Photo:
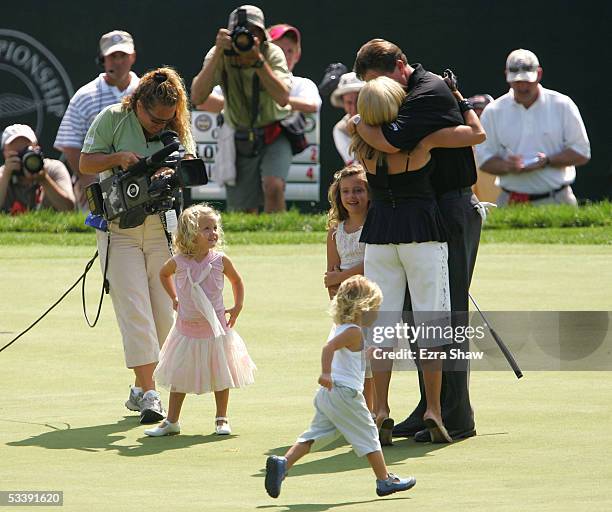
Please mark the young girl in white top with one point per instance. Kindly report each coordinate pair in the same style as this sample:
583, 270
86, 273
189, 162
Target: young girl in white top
348, 199
340, 405
203, 352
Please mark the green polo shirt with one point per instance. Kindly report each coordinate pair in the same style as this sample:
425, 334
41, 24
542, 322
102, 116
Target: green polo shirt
115, 129
239, 87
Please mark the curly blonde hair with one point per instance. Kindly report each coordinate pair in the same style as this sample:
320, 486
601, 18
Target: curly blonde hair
189, 225
355, 296
378, 103
337, 212
163, 86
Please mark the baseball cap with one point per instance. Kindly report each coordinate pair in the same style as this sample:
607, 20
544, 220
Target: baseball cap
348, 83
254, 16
522, 65
14, 131
116, 41
278, 31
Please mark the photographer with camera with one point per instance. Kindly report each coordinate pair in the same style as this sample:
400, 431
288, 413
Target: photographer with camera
255, 81
28, 181
119, 136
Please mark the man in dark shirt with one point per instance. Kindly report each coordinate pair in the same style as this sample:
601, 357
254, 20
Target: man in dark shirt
430, 106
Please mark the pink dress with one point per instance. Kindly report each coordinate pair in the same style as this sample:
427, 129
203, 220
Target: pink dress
202, 354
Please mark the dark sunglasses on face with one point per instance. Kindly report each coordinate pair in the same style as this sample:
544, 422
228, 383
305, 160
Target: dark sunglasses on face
158, 120
522, 67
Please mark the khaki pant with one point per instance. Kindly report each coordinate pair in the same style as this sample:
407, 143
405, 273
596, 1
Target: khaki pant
142, 307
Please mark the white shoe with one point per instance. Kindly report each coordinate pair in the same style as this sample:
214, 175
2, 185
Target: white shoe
164, 429
223, 429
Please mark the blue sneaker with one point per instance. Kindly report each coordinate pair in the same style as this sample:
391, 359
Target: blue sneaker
394, 484
276, 470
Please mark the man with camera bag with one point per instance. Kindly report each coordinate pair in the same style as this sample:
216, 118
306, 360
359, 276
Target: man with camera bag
119, 136
28, 181
255, 81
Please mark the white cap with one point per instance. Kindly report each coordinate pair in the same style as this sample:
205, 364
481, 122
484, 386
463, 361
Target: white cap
116, 41
15, 131
522, 66
348, 83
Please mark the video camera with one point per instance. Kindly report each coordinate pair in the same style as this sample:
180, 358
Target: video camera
242, 39
31, 160
132, 194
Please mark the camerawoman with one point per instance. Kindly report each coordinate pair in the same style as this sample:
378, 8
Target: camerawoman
120, 136
255, 80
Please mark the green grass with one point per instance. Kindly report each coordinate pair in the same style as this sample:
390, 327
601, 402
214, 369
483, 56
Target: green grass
541, 445
515, 217
600, 235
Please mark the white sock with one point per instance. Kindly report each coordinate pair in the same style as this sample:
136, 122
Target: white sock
136, 389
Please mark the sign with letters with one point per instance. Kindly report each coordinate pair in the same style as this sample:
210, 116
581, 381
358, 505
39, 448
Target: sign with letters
304, 174
36, 89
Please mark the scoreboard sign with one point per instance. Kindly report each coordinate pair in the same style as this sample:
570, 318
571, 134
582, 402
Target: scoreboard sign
304, 174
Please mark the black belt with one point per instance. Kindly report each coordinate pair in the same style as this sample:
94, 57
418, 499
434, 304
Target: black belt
535, 197
458, 192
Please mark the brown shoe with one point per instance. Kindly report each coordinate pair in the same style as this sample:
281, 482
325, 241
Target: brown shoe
437, 431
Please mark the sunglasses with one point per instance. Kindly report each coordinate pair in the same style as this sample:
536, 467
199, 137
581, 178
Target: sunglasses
522, 67
158, 120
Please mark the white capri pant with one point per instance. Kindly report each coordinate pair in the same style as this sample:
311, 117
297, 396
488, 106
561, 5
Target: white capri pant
424, 268
142, 307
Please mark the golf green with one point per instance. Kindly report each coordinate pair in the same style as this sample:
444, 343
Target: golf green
63, 426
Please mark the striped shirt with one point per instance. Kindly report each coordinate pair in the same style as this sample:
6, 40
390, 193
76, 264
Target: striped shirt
84, 106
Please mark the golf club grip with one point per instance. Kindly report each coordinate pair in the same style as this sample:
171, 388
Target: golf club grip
507, 354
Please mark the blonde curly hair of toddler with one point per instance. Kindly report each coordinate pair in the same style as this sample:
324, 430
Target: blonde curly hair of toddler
189, 225
355, 296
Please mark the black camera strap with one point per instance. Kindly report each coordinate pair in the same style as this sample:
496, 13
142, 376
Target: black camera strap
255, 90
82, 278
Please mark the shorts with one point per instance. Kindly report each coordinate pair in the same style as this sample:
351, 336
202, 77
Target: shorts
342, 411
274, 160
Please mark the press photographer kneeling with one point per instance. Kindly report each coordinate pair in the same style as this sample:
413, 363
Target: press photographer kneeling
120, 136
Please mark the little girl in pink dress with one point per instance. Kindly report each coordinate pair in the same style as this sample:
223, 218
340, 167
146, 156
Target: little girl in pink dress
203, 352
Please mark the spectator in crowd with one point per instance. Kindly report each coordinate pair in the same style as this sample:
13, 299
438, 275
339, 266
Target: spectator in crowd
40, 183
255, 83
536, 137
304, 94
345, 96
117, 56
485, 187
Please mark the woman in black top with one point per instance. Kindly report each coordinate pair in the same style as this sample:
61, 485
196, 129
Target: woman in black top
405, 242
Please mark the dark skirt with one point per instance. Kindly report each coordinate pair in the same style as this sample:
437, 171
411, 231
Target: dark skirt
408, 220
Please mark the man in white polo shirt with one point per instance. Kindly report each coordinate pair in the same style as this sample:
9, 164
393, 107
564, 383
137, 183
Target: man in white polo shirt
535, 138
117, 56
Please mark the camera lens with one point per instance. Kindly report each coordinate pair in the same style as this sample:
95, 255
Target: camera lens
32, 161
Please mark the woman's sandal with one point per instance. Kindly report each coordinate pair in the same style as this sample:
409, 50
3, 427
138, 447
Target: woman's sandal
437, 431
385, 432
223, 429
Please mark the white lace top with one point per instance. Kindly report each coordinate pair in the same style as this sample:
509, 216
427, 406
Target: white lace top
351, 251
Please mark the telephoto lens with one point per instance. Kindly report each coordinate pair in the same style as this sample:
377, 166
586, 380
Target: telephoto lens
243, 40
31, 160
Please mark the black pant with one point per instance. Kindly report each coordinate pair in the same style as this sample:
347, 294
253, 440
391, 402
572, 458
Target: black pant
463, 224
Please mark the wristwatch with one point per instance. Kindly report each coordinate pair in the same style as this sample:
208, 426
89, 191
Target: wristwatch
465, 105
259, 63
